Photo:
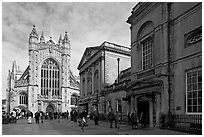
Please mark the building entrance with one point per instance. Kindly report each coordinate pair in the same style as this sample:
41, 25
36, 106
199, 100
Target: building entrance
50, 109
143, 112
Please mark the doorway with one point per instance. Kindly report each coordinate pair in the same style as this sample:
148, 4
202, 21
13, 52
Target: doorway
143, 112
50, 109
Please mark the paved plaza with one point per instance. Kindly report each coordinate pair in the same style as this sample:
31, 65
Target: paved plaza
66, 127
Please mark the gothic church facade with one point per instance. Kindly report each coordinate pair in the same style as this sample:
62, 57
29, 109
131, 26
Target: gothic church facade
47, 84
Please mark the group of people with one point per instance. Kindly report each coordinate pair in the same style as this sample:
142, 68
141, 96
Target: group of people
113, 117
138, 120
10, 118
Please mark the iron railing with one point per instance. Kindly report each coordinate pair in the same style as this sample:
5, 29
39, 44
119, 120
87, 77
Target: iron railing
187, 123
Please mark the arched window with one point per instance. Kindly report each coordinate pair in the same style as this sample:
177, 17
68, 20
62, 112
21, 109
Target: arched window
50, 77
23, 98
145, 37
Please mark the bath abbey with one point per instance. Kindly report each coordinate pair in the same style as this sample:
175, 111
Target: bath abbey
47, 84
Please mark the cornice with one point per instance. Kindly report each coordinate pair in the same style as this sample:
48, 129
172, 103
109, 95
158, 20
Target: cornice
142, 11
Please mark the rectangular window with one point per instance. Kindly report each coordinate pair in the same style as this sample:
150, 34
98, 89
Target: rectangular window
194, 91
147, 54
119, 106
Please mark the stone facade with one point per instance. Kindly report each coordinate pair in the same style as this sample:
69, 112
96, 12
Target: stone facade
165, 46
48, 83
99, 68
115, 95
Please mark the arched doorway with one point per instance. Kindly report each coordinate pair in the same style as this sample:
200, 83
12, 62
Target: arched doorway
50, 109
143, 110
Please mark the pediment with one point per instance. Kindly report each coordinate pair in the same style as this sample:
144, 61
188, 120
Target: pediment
88, 53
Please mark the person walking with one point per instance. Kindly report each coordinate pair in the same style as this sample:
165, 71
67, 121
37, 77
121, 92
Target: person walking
67, 114
37, 117
41, 116
75, 115
117, 117
14, 115
111, 117
134, 119
84, 115
29, 117
96, 116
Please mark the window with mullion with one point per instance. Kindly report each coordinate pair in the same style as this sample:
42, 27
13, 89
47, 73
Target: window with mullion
194, 91
50, 76
147, 54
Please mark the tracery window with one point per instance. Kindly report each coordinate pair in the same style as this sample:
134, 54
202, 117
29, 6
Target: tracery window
50, 77
23, 99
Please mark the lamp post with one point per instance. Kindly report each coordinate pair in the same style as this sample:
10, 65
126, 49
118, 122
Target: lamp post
118, 59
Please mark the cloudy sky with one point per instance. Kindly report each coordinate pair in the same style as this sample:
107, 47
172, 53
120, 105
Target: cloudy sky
87, 24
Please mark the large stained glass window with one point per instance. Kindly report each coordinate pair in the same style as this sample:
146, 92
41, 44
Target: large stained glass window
50, 78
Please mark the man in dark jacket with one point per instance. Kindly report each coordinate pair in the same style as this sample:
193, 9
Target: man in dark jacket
96, 116
111, 117
134, 119
37, 117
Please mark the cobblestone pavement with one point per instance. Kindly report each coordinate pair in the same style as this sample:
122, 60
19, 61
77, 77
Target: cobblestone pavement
66, 127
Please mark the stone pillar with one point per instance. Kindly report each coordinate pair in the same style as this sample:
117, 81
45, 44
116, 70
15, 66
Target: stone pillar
132, 104
158, 109
151, 113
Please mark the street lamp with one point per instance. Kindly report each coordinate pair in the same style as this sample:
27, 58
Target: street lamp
118, 59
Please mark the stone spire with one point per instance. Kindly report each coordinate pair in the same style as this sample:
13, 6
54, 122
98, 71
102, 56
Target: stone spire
42, 39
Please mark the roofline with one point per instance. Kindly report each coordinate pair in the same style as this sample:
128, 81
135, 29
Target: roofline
105, 47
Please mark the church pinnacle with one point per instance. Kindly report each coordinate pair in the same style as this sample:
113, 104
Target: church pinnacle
60, 40
42, 39
66, 39
34, 32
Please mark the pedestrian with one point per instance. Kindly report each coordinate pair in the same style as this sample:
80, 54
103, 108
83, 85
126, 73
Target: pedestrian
117, 117
142, 119
29, 117
14, 115
129, 117
67, 114
111, 117
41, 117
134, 119
75, 115
84, 115
81, 120
37, 117
95, 116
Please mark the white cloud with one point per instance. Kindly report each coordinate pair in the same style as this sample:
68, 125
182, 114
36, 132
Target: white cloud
88, 24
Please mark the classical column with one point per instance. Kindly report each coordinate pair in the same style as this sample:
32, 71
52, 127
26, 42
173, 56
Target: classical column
158, 109
151, 113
